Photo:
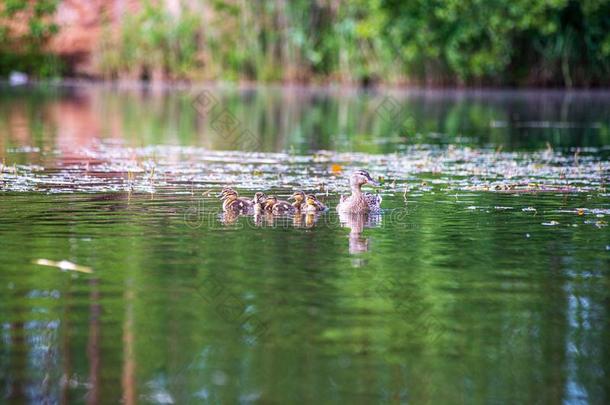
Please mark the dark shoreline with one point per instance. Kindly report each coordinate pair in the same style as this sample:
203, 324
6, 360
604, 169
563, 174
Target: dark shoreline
303, 87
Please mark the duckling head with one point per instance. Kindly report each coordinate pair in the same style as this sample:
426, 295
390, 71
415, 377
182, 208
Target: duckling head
270, 202
297, 196
312, 200
260, 198
229, 195
362, 177
225, 191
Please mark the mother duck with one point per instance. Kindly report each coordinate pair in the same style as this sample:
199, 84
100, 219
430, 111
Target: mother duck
359, 202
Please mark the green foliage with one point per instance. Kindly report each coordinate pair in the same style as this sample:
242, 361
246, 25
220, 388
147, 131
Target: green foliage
499, 42
437, 42
152, 42
24, 52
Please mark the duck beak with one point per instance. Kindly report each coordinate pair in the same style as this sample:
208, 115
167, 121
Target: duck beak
372, 182
292, 197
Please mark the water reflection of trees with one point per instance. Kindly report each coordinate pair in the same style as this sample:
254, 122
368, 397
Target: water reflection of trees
304, 119
164, 336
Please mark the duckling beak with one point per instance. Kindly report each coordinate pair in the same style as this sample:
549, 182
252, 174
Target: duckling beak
292, 197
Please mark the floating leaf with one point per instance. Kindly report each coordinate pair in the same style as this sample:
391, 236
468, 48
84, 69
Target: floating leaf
64, 265
551, 223
336, 168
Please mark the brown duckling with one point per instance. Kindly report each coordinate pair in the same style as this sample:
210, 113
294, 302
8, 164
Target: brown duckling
259, 201
299, 200
233, 203
313, 204
278, 207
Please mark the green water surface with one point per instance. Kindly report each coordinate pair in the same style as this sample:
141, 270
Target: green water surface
450, 296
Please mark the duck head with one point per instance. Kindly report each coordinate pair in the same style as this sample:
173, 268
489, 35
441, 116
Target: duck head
362, 177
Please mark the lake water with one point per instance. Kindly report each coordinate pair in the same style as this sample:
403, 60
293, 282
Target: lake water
486, 279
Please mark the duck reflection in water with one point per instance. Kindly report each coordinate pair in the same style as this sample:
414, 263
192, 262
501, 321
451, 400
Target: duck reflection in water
229, 217
357, 222
308, 220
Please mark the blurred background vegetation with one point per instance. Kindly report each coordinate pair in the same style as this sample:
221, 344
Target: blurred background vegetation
429, 42
24, 50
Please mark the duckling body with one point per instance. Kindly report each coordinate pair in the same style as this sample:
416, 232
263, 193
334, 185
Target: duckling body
238, 205
359, 202
299, 200
278, 207
259, 202
231, 202
283, 207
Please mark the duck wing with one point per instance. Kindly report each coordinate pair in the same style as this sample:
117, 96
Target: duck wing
373, 200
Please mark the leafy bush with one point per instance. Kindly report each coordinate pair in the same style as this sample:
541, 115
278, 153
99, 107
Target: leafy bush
24, 52
436, 42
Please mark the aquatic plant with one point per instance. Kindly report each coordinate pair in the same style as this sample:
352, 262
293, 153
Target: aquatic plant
168, 169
